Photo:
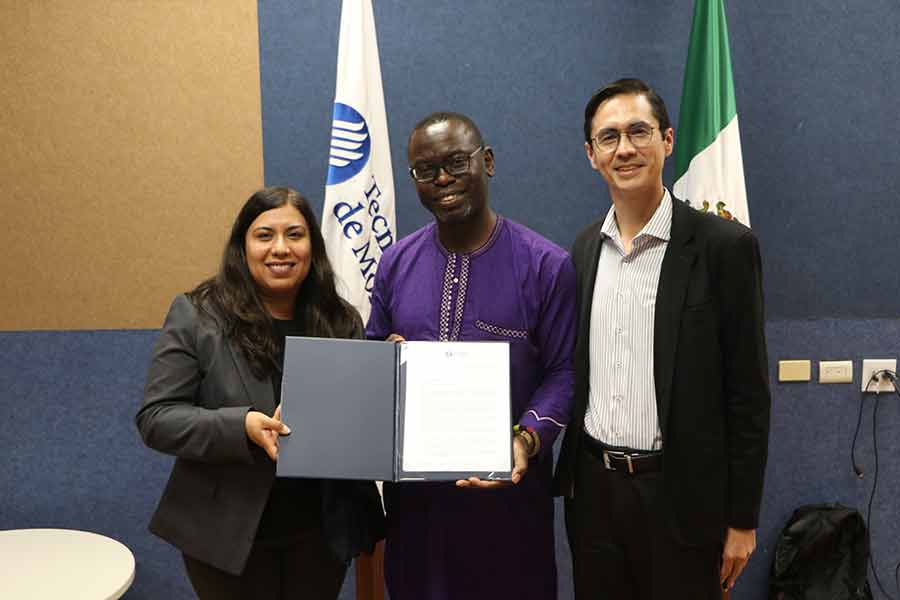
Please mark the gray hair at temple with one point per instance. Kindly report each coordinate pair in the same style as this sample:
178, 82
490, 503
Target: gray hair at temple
444, 116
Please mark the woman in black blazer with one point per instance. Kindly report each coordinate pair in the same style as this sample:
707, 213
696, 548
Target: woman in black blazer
211, 401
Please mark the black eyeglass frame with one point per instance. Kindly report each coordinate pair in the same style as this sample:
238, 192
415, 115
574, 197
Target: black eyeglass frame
444, 165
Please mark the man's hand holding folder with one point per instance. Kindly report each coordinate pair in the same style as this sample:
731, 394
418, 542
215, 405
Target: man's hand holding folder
520, 467
520, 455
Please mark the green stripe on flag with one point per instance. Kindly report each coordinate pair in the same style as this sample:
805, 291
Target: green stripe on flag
707, 98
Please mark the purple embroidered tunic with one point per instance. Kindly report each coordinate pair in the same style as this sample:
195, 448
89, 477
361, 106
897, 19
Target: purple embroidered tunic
448, 543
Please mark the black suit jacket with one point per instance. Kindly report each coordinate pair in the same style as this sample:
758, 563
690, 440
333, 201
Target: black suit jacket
199, 389
709, 368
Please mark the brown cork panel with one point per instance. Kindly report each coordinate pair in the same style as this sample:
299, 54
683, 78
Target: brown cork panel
130, 135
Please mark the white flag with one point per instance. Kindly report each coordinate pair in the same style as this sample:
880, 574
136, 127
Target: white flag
358, 217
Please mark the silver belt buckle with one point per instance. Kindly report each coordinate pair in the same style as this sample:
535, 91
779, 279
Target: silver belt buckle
625, 455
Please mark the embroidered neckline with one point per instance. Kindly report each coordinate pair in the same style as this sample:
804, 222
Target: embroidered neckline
495, 233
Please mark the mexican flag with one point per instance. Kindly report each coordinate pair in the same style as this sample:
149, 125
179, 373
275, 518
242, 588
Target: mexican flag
709, 170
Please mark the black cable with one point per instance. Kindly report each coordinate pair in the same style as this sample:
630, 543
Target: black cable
897, 575
856, 468
893, 377
876, 376
872, 494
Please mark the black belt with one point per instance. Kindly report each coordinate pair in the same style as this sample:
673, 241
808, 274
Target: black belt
626, 460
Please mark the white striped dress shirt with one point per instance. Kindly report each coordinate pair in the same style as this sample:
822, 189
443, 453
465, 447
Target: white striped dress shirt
622, 396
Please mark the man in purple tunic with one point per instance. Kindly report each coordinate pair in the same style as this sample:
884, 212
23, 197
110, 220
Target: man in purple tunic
473, 275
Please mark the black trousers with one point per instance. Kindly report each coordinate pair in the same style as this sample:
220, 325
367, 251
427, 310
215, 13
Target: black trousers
300, 568
622, 548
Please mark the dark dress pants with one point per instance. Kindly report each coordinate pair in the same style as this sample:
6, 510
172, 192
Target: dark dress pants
621, 546
300, 568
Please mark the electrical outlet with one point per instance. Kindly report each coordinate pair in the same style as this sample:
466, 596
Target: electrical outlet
835, 371
871, 366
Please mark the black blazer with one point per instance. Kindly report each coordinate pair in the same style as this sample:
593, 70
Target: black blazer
710, 371
199, 389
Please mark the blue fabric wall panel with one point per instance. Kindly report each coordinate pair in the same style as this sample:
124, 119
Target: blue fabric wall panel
815, 82
816, 85
811, 434
522, 70
74, 458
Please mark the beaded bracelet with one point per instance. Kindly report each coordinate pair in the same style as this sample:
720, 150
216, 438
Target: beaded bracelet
531, 438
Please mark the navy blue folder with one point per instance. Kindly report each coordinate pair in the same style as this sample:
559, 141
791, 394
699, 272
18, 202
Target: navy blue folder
344, 400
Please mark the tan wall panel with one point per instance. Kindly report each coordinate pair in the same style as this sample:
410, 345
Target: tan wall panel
130, 134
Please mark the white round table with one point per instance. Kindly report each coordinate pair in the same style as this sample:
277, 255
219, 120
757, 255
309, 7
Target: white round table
48, 564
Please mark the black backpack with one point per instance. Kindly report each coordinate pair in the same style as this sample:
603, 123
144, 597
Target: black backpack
822, 554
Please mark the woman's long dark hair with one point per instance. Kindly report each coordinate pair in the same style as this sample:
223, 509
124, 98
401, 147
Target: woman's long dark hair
232, 300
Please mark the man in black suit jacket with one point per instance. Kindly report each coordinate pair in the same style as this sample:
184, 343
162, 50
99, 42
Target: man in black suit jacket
662, 464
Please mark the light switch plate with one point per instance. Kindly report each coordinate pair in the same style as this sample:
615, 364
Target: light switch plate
835, 371
794, 370
873, 366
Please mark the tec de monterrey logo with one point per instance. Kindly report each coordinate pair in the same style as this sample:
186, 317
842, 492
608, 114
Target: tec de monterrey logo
350, 144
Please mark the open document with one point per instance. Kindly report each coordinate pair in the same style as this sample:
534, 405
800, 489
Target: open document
456, 414
386, 411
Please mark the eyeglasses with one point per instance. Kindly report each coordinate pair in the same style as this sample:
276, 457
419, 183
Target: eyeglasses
639, 135
458, 164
